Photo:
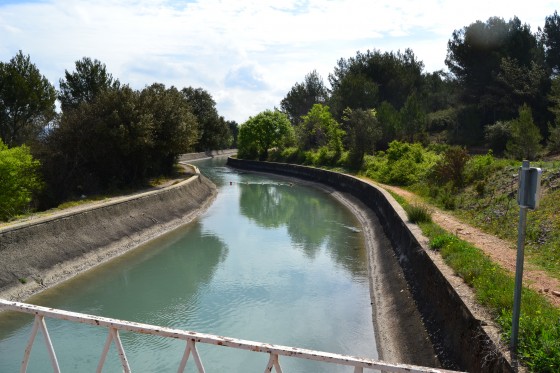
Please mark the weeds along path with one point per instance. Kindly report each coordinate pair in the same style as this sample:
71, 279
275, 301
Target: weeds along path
500, 251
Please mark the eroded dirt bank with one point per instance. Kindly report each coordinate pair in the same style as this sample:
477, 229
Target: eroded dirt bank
42, 252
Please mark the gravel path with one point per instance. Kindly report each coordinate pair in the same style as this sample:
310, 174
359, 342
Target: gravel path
500, 251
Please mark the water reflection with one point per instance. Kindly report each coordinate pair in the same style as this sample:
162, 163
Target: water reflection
311, 221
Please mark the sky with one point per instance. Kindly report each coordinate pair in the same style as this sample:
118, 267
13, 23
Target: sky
247, 54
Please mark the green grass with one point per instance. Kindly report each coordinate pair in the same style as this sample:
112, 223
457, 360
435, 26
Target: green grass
539, 329
418, 213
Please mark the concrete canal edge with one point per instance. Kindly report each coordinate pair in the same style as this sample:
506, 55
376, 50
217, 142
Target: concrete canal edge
209, 154
42, 252
462, 332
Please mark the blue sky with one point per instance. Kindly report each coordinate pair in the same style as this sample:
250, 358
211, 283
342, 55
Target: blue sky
246, 53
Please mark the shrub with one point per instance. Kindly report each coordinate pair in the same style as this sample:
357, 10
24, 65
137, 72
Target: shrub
479, 167
19, 180
449, 168
525, 136
405, 163
418, 213
497, 135
444, 195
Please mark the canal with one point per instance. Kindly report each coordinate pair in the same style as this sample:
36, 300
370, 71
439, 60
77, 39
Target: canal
271, 260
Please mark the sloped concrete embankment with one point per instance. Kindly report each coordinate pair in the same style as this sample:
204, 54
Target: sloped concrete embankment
44, 251
458, 331
209, 154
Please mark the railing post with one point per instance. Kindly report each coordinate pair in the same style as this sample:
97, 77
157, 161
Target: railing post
39, 323
273, 363
113, 335
191, 348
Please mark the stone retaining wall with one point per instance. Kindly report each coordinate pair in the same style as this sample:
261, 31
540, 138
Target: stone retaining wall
461, 339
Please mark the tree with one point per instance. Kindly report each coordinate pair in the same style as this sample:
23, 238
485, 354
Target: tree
318, 128
90, 79
487, 57
553, 143
262, 132
439, 90
395, 76
363, 131
118, 140
19, 180
413, 118
174, 126
525, 136
551, 41
99, 145
27, 101
234, 130
390, 120
517, 84
213, 130
355, 91
303, 96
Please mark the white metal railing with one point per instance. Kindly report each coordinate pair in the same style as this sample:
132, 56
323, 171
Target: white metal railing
191, 338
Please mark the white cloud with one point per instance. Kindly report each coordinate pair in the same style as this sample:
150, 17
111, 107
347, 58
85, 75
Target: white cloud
247, 54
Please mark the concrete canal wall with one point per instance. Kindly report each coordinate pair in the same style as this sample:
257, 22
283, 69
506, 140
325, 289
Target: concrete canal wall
208, 154
43, 251
461, 332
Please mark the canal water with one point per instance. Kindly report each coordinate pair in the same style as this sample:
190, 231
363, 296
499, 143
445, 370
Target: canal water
271, 260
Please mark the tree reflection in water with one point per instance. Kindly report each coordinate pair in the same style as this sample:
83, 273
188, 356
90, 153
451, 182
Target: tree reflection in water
313, 220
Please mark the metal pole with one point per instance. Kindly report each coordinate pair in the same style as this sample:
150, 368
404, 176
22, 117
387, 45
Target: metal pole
519, 263
518, 277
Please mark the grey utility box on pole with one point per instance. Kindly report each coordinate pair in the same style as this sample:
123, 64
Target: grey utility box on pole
529, 186
528, 197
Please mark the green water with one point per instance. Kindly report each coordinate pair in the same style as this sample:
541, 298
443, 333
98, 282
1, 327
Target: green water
270, 261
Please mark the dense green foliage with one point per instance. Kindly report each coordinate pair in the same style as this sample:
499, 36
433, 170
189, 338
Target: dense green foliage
303, 96
107, 137
524, 142
119, 139
262, 132
503, 79
83, 85
214, 132
318, 129
19, 180
363, 130
27, 101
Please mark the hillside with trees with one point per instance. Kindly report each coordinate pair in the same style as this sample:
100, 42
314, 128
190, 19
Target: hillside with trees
496, 70
455, 139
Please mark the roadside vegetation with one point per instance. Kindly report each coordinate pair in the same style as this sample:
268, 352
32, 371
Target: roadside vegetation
107, 138
454, 138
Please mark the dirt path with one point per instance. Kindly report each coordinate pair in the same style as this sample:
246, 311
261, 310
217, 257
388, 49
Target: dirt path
500, 251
